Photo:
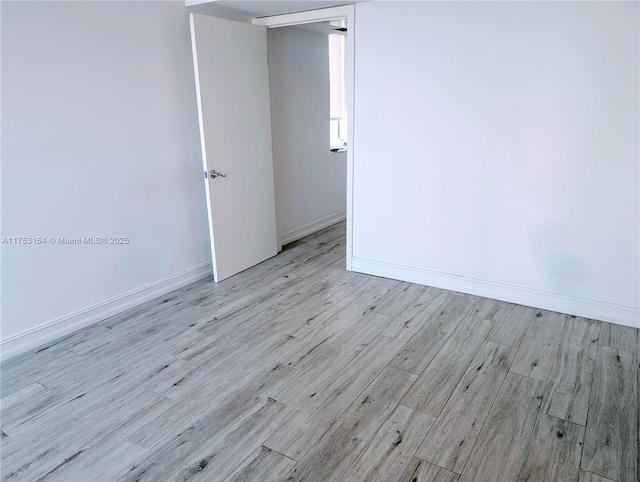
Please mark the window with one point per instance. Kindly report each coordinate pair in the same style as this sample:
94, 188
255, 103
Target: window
337, 112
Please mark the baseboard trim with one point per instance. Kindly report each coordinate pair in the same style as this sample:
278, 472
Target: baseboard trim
303, 230
64, 325
598, 310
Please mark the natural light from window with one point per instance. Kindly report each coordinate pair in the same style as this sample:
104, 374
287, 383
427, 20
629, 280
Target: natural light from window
337, 115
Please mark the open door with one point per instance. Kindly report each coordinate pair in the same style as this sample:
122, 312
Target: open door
232, 86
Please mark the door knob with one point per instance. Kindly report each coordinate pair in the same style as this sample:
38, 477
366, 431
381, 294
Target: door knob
213, 174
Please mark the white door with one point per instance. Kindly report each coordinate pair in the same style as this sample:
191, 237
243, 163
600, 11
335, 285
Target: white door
232, 85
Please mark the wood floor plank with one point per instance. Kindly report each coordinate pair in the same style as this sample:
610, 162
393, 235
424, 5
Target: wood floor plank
113, 403
391, 449
122, 350
225, 404
61, 438
323, 250
331, 399
30, 367
434, 386
299, 324
454, 433
104, 413
327, 303
338, 329
618, 336
276, 347
510, 321
106, 458
216, 369
569, 385
611, 443
400, 299
175, 316
226, 307
502, 445
589, 477
269, 288
90, 385
316, 316
201, 452
253, 354
263, 465
174, 302
251, 329
30, 391
77, 338
407, 323
347, 345
25, 404
252, 322
539, 346
420, 471
384, 287
319, 364
4, 441
424, 345
554, 451
330, 458
98, 373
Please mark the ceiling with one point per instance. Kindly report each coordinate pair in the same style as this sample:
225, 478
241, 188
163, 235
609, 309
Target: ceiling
265, 8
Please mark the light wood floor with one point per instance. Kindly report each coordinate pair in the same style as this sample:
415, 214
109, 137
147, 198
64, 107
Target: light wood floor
299, 370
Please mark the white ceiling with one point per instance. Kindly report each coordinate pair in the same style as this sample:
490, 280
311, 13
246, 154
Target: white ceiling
265, 8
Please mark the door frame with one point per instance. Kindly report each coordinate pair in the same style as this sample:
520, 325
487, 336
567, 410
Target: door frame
323, 15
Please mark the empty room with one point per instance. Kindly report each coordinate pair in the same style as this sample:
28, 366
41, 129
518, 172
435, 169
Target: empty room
312, 240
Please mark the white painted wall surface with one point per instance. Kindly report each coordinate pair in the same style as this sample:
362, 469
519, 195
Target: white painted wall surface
310, 180
497, 150
100, 138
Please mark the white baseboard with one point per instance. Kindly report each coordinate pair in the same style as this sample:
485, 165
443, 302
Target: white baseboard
598, 310
298, 232
64, 325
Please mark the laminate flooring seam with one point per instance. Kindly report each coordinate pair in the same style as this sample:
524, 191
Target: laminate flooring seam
444, 340
528, 447
586, 423
272, 397
373, 438
471, 360
349, 405
280, 453
581, 446
589, 401
435, 465
133, 443
485, 419
485, 339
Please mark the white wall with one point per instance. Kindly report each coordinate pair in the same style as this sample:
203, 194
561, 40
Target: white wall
497, 150
310, 180
100, 138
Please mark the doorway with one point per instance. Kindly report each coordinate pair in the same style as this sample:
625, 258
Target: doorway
346, 16
309, 127
230, 60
